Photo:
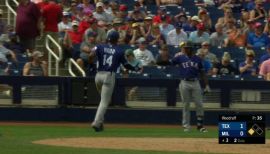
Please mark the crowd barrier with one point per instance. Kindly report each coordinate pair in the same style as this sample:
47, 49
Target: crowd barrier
81, 90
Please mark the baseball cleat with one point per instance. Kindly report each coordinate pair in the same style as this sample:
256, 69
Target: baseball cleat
187, 129
203, 130
98, 128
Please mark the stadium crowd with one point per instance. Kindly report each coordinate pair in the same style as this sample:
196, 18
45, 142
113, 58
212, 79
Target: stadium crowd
78, 25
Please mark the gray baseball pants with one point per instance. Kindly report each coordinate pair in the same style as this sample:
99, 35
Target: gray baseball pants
105, 84
190, 90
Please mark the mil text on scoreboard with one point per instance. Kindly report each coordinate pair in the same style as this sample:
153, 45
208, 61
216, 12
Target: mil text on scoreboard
241, 129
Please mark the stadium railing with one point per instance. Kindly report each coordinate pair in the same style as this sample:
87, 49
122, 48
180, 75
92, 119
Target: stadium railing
52, 54
11, 10
71, 63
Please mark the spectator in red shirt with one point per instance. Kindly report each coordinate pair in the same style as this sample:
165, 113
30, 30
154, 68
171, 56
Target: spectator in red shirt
72, 41
27, 23
85, 23
52, 14
160, 12
42, 4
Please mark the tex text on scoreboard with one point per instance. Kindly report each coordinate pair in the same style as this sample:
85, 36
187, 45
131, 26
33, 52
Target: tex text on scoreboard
241, 129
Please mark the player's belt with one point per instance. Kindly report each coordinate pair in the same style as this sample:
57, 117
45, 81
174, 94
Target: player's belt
190, 79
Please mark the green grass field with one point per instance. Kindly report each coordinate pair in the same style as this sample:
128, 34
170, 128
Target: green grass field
17, 139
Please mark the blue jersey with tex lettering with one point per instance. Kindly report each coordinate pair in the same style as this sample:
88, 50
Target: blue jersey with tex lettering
189, 67
109, 57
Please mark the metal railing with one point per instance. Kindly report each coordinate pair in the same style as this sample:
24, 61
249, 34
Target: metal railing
11, 10
72, 62
52, 53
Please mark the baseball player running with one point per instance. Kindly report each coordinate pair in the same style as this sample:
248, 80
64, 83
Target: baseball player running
109, 57
191, 68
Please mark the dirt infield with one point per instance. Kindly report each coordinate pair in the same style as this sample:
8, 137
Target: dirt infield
156, 144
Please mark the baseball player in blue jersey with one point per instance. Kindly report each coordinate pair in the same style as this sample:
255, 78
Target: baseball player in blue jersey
191, 68
109, 57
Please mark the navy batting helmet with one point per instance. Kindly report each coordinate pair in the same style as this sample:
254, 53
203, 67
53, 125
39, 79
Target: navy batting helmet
113, 36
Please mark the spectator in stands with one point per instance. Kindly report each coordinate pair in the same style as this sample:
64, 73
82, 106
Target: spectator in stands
51, 16
100, 14
228, 16
132, 60
36, 67
73, 8
115, 9
199, 36
177, 35
248, 67
234, 5
138, 14
165, 27
205, 18
85, 49
217, 38
265, 70
118, 25
79, 13
169, 2
257, 39
230, 25
13, 44
136, 33
250, 5
265, 56
72, 41
181, 17
101, 33
122, 11
267, 27
163, 58
224, 67
136, 64
192, 25
235, 38
5, 53
258, 12
205, 49
144, 55
3, 25
155, 37
147, 26
246, 25
207, 65
161, 12
85, 23
107, 7
87, 6
65, 4
64, 25
27, 23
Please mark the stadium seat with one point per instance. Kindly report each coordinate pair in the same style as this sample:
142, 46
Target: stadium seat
154, 71
154, 49
173, 72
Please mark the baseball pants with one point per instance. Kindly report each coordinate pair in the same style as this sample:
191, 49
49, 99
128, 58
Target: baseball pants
105, 84
190, 90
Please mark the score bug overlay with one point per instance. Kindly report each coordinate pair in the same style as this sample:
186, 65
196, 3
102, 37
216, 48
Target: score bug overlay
241, 129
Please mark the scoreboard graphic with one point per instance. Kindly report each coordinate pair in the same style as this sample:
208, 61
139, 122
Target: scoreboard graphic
241, 129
